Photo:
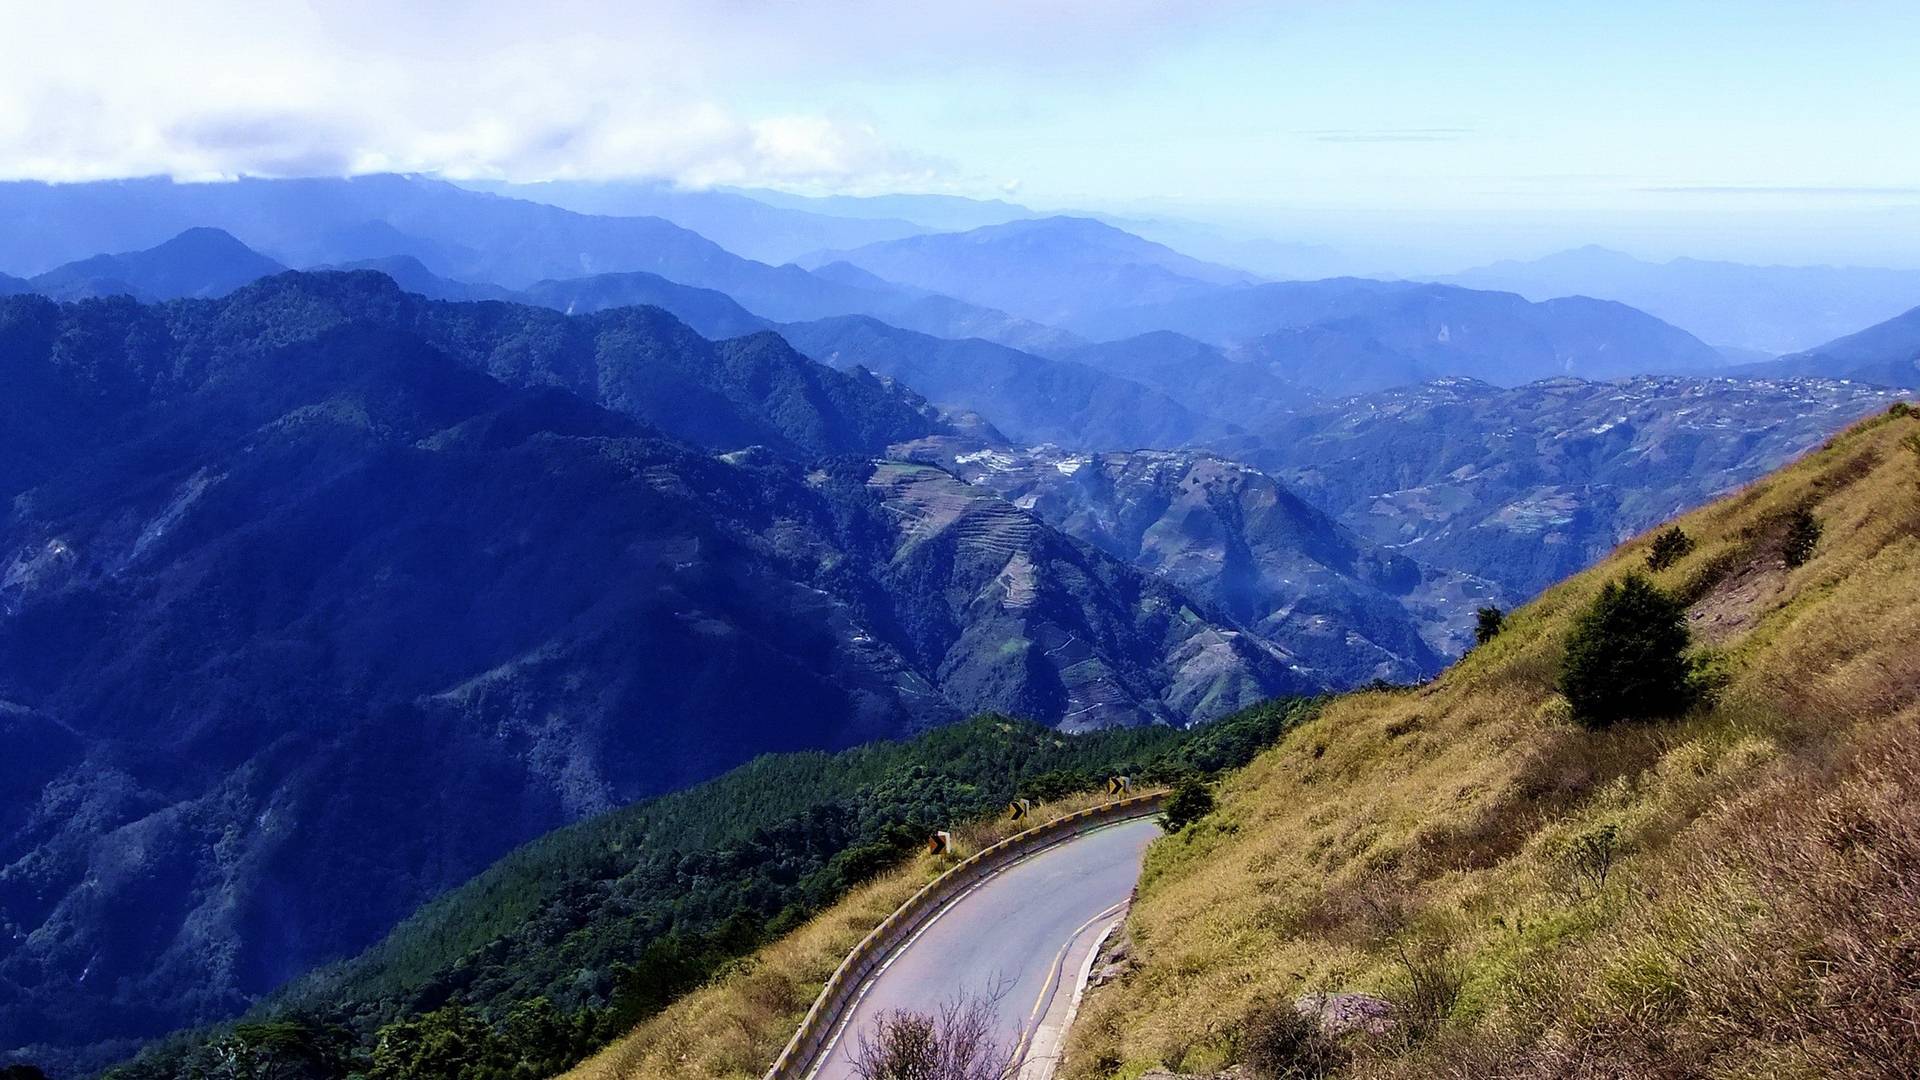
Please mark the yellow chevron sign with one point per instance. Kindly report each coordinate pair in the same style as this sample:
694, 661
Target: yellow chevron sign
940, 843
1018, 809
1119, 785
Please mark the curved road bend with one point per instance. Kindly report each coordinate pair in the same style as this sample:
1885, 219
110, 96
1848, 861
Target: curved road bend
1029, 929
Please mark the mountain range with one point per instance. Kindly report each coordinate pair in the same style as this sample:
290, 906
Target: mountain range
1525, 485
1440, 330
1241, 540
465, 235
1051, 270
316, 598
1768, 309
1252, 350
1886, 353
741, 223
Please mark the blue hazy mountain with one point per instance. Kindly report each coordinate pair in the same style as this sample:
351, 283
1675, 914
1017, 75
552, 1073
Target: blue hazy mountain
1235, 385
198, 263
1442, 330
1772, 309
743, 225
1886, 353
1048, 269
321, 596
456, 233
943, 213
711, 313
1030, 398
1525, 485
413, 276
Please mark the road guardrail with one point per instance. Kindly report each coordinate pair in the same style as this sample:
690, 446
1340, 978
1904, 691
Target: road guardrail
845, 982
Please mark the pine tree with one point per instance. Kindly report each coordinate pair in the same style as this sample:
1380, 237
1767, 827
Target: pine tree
1668, 548
1488, 623
1626, 657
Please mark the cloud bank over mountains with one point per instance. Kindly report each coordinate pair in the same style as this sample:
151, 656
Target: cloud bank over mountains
574, 89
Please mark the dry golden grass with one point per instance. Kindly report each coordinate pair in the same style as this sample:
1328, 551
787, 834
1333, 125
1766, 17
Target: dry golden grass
1760, 918
735, 1026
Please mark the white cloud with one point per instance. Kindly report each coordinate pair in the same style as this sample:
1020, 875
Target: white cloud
567, 88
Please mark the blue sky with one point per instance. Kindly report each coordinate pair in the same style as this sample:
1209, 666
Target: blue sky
1753, 130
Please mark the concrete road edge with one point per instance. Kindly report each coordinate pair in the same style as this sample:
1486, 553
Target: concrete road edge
797, 1058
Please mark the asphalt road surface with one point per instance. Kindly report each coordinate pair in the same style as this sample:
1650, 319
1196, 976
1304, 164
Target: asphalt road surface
1025, 933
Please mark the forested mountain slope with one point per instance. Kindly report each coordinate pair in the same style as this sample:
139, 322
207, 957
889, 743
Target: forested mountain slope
1520, 888
572, 939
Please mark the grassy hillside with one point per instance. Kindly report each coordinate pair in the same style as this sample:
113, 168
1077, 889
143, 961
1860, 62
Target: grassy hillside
1731, 893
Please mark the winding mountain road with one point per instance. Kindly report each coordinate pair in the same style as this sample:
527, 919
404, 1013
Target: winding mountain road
1028, 933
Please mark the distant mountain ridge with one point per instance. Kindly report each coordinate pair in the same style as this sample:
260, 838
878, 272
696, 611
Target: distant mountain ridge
1886, 353
1440, 330
1774, 309
1526, 485
413, 276
1238, 385
456, 233
1032, 399
1047, 269
753, 227
711, 313
200, 263
942, 213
